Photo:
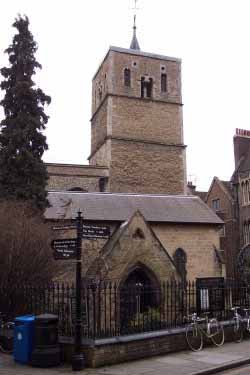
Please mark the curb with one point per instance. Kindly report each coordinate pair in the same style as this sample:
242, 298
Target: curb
226, 366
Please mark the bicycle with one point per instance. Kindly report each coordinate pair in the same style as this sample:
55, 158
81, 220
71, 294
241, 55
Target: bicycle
237, 325
247, 318
195, 331
6, 335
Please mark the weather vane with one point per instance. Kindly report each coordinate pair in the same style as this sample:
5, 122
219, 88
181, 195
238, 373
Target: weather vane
135, 9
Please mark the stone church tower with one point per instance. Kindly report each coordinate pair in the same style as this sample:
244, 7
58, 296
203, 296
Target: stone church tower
136, 125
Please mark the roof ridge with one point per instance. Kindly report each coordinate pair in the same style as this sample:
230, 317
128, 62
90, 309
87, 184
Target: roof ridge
124, 194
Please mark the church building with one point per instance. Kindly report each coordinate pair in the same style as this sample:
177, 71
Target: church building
135, 183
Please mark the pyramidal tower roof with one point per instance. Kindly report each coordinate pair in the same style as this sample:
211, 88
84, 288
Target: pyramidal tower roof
134, 43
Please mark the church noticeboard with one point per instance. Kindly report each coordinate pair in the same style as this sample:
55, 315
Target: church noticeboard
83, 308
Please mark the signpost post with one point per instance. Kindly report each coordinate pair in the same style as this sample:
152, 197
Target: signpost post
78, 360
71, 248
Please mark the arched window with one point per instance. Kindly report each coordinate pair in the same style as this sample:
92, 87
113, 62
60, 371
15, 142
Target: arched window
127, 77
100, 93
77, 188
180, 260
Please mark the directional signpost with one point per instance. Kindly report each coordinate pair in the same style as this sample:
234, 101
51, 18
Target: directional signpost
64, 227
94, 232
64, 248
71, 248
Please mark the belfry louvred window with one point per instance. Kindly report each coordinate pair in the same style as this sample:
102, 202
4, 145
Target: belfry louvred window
127, 77
146, 87
163, 82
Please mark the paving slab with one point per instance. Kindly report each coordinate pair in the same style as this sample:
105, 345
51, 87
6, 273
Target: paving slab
208, 361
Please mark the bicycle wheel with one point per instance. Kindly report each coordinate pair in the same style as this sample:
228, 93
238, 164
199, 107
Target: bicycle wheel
216, 332
248, 325
6, 345
194, 337
237, 330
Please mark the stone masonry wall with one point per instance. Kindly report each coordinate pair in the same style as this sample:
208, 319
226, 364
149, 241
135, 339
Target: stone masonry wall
146, 120
103, 155
66, 176
146, 168
99, 126
197, 241
59, 183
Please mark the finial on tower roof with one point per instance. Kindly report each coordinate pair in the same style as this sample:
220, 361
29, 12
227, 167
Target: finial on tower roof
134, 44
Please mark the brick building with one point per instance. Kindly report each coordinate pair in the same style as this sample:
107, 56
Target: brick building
241, 180
220, 198
136, 181
231, 201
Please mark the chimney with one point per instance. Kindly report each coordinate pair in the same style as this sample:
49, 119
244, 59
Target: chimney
191, 188
241, 144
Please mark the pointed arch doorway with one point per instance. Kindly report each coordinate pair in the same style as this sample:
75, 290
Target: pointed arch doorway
139, 292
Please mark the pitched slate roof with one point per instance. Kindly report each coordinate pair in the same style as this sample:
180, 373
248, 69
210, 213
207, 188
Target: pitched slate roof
120, 207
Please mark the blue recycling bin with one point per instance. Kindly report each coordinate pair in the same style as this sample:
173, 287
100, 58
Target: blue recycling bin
23, 338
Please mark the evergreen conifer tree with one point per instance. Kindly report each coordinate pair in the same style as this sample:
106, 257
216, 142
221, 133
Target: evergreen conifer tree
23, 174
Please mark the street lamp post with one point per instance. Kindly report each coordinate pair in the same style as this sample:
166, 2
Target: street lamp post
78, 360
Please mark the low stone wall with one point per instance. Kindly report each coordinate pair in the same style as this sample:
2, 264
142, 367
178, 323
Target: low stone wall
127, 348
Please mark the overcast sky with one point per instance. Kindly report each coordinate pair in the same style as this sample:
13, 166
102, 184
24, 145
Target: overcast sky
212, 37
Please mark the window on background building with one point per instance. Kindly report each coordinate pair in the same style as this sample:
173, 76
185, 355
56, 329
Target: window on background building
216, 204
243, 193
246, 192
222, 231
127, 77
246, 232
164, 83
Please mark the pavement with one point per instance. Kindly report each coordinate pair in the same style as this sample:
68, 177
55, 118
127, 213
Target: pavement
208, 361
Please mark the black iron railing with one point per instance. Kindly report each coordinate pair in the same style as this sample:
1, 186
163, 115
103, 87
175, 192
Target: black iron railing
108, 310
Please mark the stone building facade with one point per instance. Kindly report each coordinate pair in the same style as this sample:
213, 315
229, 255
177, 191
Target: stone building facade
146, 232
136, 180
